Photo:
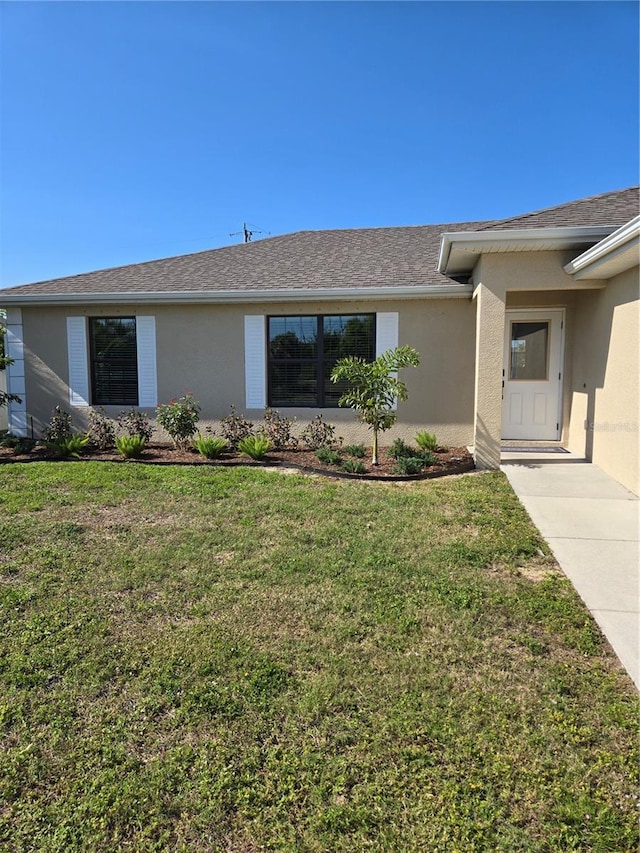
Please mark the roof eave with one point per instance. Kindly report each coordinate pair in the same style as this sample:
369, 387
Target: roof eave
460, 250
617, 253
439, 291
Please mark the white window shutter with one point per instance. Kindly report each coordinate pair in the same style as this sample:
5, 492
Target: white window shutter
78, 362
387, 334
386, 331
255, 361
147, 372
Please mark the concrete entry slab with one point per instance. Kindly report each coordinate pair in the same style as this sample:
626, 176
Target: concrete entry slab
584, 518
592, 525
561, 475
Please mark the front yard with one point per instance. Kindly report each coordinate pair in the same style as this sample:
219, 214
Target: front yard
200, 659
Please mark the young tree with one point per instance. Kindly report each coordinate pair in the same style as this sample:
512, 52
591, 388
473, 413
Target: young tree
5, 361
374, 386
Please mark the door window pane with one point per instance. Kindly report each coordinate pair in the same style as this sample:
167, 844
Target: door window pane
529, 351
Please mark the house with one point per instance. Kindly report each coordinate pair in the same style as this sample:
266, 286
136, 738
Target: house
527, 328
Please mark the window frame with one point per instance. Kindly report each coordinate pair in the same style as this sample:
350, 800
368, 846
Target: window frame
319, 360
94, 360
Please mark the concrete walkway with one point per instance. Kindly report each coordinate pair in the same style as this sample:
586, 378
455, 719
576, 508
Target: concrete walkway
591, 523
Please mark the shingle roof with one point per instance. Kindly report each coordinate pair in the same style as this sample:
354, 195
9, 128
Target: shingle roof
358, 258
612, 208
306, 260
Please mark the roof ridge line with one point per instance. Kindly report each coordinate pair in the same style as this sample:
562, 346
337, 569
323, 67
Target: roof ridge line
531, 213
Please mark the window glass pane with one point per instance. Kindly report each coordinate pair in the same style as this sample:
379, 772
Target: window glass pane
529, 351
114, 338
114, 365
332, 392
293, 337
348, 335
293, 384
297, 358
115, 383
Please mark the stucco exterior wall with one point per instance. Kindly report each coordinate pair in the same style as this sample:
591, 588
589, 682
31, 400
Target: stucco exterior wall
605, 399
528, 271
525, 280
200, 348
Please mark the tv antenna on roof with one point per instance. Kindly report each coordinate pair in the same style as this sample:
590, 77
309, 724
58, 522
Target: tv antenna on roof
246, 233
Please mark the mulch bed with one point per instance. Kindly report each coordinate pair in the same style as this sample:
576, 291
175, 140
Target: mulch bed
452, 460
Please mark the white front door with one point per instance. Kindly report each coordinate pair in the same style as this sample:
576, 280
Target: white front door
532, 375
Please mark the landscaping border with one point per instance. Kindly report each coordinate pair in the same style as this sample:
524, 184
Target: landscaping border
463, 468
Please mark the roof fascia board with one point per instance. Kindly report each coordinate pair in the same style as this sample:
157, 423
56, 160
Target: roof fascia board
446, 291
475, 242
612, 247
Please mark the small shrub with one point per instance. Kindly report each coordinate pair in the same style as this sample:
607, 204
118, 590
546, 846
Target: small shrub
328, 456
317, 434
72, 445
18, 443
401, 450
278, 430
354, 466
102, 430
255, 446
135, 423
235, 428
427, 457
179, 418
426, 440
59, 427
131, 446
209, 446
355, 450
408, 465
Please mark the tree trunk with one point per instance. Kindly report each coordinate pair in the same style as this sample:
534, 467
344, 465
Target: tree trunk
374, 454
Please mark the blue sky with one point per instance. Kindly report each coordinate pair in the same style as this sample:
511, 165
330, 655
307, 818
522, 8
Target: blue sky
135, 130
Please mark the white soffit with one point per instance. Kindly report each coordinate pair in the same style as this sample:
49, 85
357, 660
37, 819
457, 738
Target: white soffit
460, 250
617, 253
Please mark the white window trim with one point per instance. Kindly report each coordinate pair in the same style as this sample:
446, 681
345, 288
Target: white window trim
78, 361
15, 373
255, 361
255, 352
78, 355
147, 367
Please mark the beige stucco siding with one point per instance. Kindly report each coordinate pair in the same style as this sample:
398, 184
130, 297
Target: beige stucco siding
200, 348
529, 271
531, 280
605, 399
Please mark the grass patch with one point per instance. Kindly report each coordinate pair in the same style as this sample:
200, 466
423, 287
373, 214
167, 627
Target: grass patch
236, 660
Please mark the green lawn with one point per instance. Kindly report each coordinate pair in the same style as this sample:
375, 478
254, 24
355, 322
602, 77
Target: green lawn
197, 659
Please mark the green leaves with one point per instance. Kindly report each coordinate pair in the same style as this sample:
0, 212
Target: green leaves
255, 446
210, 446
72, 445
130, 446
179, 418
375, 387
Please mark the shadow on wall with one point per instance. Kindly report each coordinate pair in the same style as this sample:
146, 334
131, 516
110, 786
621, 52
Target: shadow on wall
486, 447
604, 371
45, 385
